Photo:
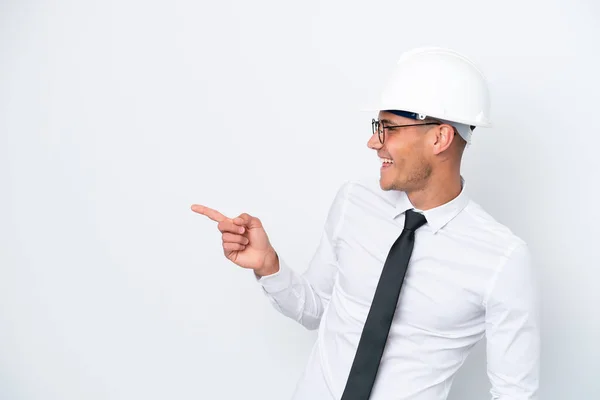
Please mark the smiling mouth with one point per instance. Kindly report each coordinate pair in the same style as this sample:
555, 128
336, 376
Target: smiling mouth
386, 162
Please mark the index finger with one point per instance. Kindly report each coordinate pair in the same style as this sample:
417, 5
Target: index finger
209, 212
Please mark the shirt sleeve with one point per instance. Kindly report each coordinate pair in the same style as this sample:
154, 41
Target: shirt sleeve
304, 297
513, 329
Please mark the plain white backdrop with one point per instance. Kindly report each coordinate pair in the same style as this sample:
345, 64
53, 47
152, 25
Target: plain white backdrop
116, 116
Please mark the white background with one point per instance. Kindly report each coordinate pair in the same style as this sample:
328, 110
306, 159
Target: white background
116, 116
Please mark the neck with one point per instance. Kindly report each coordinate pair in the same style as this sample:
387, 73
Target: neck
436, 192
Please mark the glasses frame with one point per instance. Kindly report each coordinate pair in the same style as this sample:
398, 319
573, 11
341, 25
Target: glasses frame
375, 124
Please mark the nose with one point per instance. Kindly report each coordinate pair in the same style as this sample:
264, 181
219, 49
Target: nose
374, 142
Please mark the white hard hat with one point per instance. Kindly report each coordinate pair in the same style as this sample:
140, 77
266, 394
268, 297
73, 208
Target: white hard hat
438, 83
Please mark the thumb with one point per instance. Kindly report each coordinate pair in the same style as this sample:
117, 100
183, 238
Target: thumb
248, 221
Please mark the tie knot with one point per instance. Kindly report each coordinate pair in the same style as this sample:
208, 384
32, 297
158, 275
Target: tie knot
414, 220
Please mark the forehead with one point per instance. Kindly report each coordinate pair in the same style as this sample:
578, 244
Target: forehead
393, 119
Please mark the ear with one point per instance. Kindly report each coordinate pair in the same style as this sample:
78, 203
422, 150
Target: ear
444, 136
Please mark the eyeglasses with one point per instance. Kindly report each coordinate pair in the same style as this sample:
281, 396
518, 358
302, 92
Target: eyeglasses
379, 128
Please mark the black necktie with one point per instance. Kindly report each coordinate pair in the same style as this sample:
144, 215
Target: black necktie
376, 329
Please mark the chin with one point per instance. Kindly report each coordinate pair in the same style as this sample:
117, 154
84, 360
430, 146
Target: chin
390, 184
386, 184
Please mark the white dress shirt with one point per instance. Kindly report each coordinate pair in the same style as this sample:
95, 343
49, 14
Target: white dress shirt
469, 277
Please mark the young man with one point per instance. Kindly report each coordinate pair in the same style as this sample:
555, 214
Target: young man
410, 272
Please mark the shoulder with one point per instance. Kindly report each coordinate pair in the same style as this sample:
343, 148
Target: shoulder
367, 191
494, 245
487, 229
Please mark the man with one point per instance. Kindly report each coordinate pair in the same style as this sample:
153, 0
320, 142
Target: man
410, 273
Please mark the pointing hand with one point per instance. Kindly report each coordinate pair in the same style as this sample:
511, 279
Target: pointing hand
245, 241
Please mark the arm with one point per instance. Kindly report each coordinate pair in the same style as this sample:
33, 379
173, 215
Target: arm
303, 297
513, 329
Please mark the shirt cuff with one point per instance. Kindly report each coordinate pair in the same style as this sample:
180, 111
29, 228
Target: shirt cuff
278, 281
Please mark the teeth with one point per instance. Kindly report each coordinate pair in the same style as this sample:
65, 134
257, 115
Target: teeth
386, 160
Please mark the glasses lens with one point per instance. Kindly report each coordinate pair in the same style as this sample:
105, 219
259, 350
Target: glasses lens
377, 128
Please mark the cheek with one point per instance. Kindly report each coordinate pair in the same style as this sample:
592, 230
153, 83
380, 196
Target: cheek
401, 156
405, 163
406, 154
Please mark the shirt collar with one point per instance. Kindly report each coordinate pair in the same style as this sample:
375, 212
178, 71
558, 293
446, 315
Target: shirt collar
437, 217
